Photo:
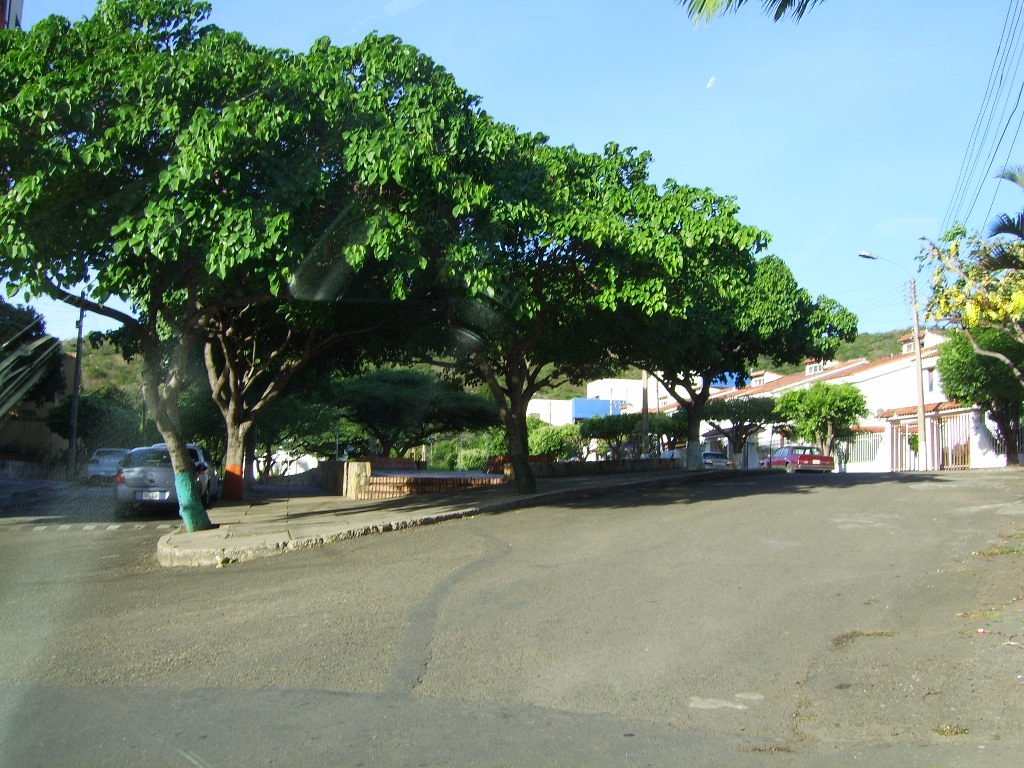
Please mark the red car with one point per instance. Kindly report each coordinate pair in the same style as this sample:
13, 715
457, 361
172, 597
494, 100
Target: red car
799, 458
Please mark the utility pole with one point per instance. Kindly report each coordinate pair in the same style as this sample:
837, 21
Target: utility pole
75, 396
645, 422
922, 439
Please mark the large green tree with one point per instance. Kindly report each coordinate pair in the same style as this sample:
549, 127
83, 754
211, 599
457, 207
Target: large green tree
553, 255
374, 180
982, 380
205, 175
101, 121
722, 307
825, 413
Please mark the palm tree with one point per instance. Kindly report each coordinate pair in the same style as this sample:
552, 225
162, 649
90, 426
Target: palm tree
1007, 253
705, 10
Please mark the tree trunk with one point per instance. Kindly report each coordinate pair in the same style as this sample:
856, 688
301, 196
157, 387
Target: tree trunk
512, 400
695, 414
162, 402
234, 459
518, 443
1007, 426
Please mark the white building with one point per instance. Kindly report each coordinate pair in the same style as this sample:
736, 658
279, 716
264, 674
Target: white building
957, 436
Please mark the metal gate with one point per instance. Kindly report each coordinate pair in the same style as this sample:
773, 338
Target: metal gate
948, 442
953, 440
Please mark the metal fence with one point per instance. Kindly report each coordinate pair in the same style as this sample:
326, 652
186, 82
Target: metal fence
863, 448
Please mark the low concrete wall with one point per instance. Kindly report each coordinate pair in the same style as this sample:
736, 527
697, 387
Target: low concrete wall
593, 468
12, 469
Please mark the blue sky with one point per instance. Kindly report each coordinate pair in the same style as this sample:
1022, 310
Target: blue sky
843, 133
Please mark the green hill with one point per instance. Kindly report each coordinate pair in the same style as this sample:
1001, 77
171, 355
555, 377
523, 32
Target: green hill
873, 346
105, 367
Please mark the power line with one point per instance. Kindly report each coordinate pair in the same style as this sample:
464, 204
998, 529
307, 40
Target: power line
999, 90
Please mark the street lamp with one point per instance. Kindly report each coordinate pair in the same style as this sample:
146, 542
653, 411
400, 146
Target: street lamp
922, 440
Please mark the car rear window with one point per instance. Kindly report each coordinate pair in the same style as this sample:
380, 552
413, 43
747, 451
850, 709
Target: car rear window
110, 453
147, 457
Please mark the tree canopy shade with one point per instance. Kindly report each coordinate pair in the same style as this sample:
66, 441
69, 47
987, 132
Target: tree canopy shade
824, 413
205, 176
982, 380
554, 253
104, 124
722, 307
401, 409
705, 10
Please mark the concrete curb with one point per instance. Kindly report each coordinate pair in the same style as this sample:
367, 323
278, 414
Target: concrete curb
227, 545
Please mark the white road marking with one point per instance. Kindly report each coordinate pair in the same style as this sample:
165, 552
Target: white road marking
696, 702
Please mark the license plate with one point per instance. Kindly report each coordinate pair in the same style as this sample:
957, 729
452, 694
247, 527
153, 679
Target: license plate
816, 461
152, 495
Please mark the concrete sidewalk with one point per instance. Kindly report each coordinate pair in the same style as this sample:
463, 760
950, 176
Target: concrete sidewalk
273, 521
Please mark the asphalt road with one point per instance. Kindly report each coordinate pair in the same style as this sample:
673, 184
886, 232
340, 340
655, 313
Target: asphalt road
758, 620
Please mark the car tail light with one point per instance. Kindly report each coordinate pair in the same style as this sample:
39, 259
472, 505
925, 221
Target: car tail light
119, 480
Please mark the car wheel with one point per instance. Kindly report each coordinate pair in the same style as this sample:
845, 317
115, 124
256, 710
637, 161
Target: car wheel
790, 468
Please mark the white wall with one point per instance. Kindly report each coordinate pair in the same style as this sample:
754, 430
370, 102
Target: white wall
631, 393
554, 412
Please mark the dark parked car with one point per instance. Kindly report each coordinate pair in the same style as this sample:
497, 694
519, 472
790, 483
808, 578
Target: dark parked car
799, 458
146, 477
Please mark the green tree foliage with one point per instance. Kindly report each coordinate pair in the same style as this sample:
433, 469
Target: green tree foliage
668, 430
107, 122
741, 418
978, 284
107, 418
561, 442
204, 175
723, 308
554, 254
825, 413
380, 149
401, 409
982, 380
618, 432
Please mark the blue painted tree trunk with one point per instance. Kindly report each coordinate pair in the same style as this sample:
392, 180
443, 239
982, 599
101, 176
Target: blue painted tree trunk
190, 504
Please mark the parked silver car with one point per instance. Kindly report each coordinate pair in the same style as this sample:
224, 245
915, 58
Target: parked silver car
146, 477
102, 465
717, 460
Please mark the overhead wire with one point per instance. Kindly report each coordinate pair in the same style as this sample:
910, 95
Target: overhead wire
986, 136
969, 151
1016, 56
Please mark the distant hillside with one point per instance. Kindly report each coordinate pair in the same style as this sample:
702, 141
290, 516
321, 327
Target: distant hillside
105, 367
873, 346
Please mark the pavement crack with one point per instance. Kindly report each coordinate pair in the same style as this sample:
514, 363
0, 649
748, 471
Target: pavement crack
414, 652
